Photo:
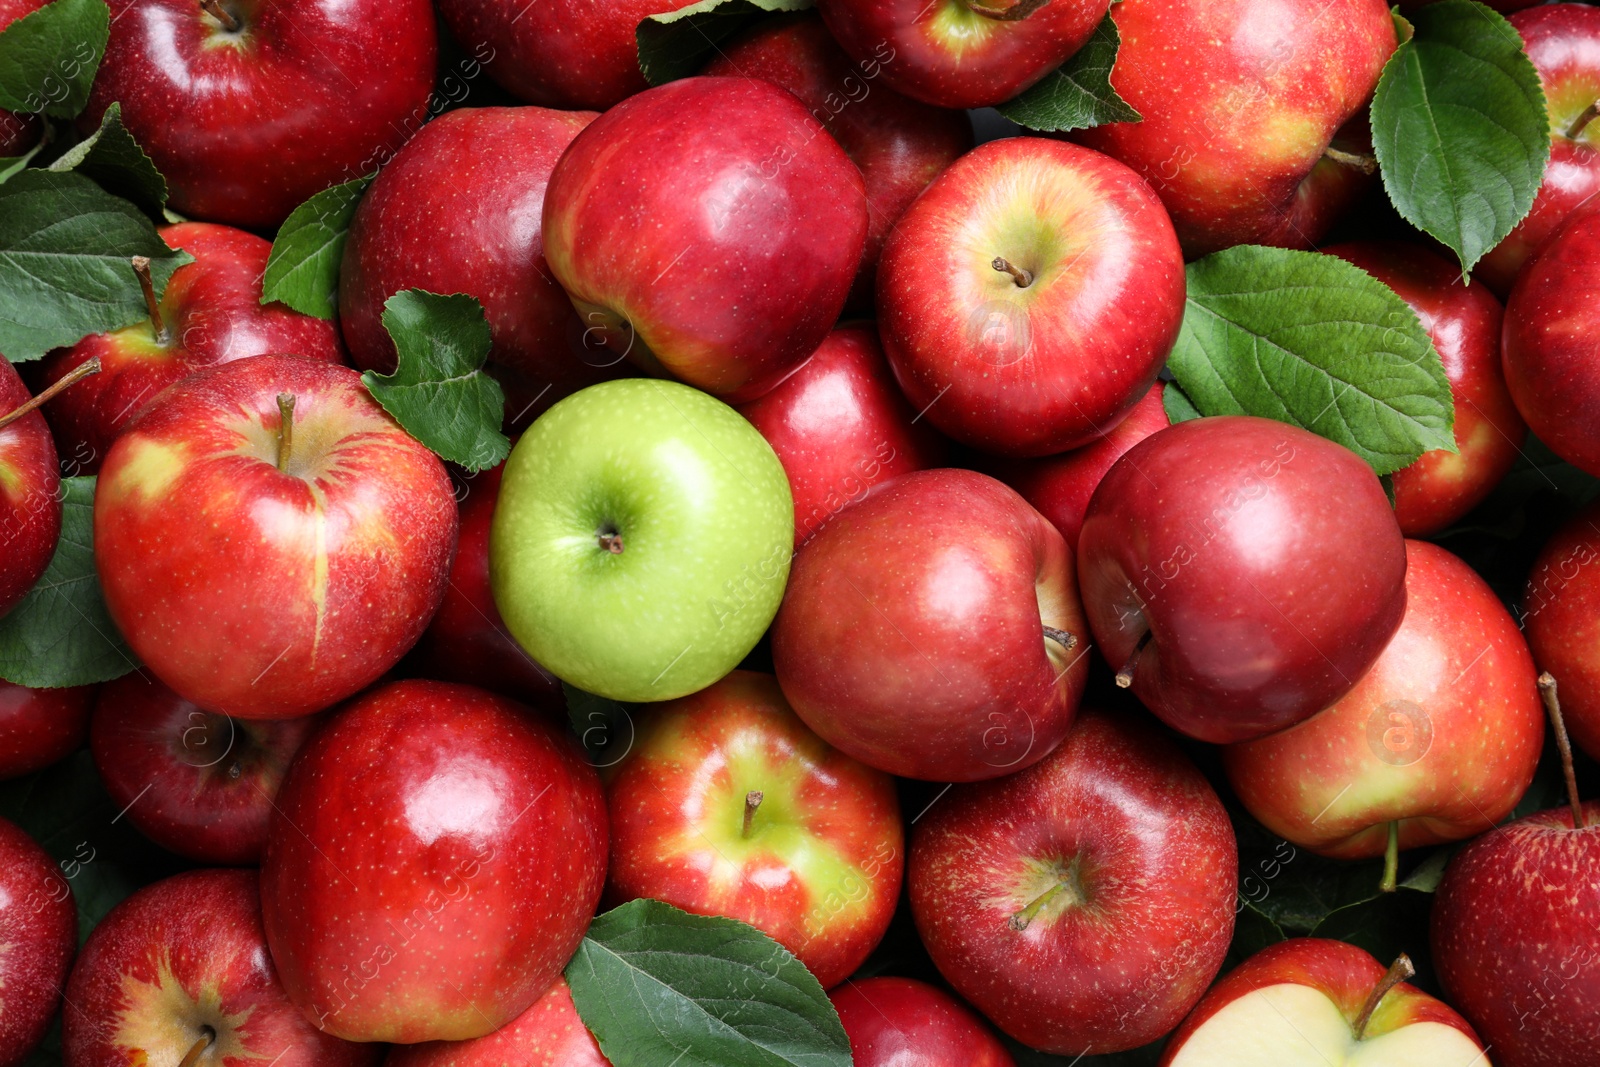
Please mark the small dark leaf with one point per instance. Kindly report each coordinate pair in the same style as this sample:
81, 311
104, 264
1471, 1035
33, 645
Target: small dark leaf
303, 270
48, 58
1386, 925
678, 43
1178, 405
1077, 95
114, 159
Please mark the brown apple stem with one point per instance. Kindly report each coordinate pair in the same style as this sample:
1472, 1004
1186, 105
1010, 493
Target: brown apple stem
1125, 675
1366, 164
1391, 859
1064, 638
285, 429
610, 540
1581, 123
71, 378
198, 1049
1399, 971
752, 801
215, 9
1552, 705
1023, 278
1015, 13
141, 270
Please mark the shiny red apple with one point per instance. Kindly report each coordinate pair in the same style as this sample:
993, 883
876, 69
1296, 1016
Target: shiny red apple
901, 1022
39, 929
30, 491
549, 1034
1561, 616
38, 727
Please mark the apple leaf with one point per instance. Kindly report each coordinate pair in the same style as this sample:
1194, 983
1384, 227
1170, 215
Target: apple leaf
65, 246
303, 269
1459, 127
1178, 406
1313, 341
439, 391
676, 44
114, 159
657, 985
1078, 94
11, 165
48, 58
60, 634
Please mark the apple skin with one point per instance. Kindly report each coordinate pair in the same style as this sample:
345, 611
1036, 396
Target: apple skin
756, 228
704, 530
478, 834
30, 493
819, 872
1513, 937
1235, 125
458, 211
39, 727
900, 1022
18, 133
1034, 370
295, 588
549, 1034
1465, 322
1116, 817
1563, 41
213, 313
195, 783
874, 644
1548, 345
962, 53
900, 144
39, 929
1259, 620
840, 426
1561, 615
1456, 673
1060, 486
177, 958
1346, 976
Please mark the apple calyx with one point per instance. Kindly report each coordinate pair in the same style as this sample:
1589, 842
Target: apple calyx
208, 1036
752, 801
1366, 164
1552, 705
1391, 859
76, 375
1581, 123
1022, 277
215, 9
141, 270
1068, 882
285, 429
1125, 675
1006, 10
610, 539
1399, 971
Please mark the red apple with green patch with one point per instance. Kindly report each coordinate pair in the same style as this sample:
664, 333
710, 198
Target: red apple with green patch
549, 1034
38, 933
30, 490
901, 1022
38, 727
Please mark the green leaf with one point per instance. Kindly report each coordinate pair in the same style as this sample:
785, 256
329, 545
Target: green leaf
48, 58
657, 985
61, 634
1178, 406
303, 269
1313, 341
438, 390
604, 726
64, 271
114, 159
1459, 127
678, 43
1078, 94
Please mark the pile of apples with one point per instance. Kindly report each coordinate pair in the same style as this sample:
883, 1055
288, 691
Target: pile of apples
842, 465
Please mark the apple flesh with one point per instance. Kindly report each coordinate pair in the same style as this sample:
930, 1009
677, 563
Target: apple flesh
39, 929
1029, 297
39, 727
1086, 902
549, 1034
726, 804
900, 1022
933, 630
756, 227
30, 492
435, 855
1561, 615
264, 573
1243, 573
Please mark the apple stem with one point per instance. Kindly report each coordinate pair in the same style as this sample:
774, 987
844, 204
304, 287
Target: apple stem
1391, 859
1399, 971
285, 429
192, 1057
1023, 278
1366, 164
1581, 123
215, 9
610, 540
141, 270
1125, 675
1552, 705
1065, 638
1067, 883
73, 377
752, 801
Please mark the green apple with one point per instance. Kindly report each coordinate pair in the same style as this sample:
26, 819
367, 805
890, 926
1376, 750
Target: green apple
642, 539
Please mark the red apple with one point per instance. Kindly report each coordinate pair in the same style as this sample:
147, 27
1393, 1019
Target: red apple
18, 133
1561, 614
1437, 741
1244, 573
197, 783
434, 858
458, 211
549, 1034
840, 426
1030, 296
1464, 322
1085, 903
249, 107
30, 491
718, 253
1060, 486
933, 630
900, 144
727, 805
1312, 1002
39, 727
210, 313
179, 973
900, 1022
1548, 344
1563, 40
963, 53
39, 931
1242, 100
269, 540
